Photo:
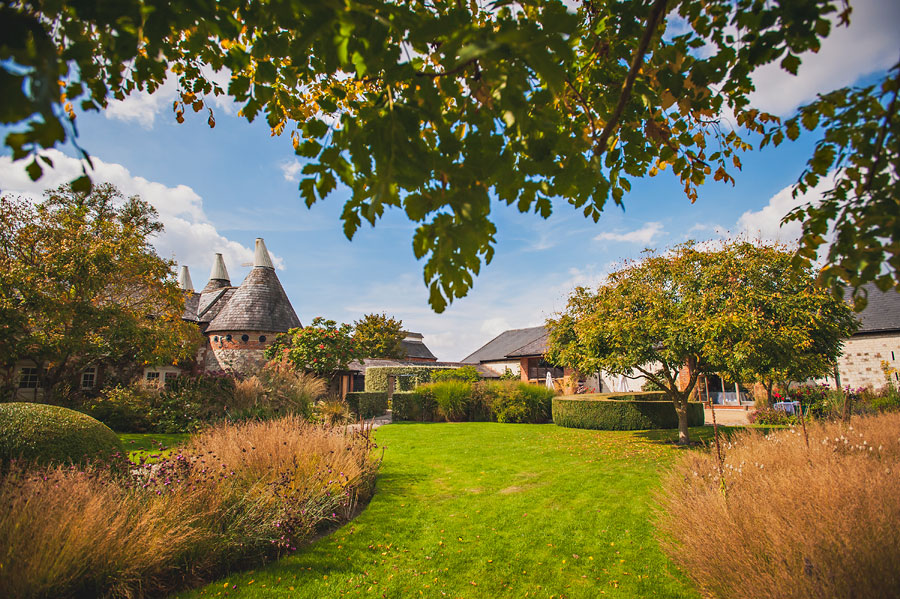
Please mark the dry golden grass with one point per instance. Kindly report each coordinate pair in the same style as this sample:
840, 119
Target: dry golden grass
247, 393
785, 520
235, 493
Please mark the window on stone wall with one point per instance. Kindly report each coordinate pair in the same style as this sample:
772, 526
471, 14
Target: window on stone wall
245, 338
28, 378
89, 378
171, 376
262, 338
152, 376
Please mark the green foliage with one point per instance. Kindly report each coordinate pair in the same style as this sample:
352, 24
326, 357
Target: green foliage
182, 405
856, 219
80, 284
413, 406
451, 397
600, 414
772, 417
468, 374
509, 375
524, 105
641, 396
323, 347
735, 307
517, 401
53, 434
367, 404
501, 401
379, 336
406, 377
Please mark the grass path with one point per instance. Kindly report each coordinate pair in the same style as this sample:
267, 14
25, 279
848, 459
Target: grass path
491, 510
150, 444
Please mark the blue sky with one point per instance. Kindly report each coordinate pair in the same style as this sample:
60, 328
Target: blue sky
217, 190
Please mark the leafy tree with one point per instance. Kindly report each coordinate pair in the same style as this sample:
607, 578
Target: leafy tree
80, 285
379, 336
323, 347
436, 108
738, 308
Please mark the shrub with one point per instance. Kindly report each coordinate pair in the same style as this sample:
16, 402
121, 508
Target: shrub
235, 494
290, 391
451, 397
413, 406
790, 519
468, 374
332, 410
517, 401
407, 377
367, 405
53, 434
125, 409
604, 414
247, 395
772, 417
628, 396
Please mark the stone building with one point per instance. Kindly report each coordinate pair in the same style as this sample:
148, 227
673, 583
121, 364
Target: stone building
238, 323
876, 344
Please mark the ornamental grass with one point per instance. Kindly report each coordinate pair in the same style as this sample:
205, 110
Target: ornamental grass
233, 496
787, 514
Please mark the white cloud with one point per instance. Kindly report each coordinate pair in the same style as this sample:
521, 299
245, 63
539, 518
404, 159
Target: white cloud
766, 222
141, 106
645, 234
189, 237
290, 169
869, 45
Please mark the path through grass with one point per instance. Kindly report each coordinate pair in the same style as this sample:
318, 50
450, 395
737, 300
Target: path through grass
491, 510
150, 444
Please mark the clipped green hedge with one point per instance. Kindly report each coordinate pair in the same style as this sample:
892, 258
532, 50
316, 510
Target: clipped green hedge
53, 434
408, 377
367, 405
628, 396
413, 406
620, 415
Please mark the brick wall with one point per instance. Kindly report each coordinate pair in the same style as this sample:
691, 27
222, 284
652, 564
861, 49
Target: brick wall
239, 351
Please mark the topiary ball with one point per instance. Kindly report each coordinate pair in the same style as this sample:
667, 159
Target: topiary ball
52, 434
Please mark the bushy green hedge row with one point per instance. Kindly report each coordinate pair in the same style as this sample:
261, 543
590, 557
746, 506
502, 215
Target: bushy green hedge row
500, 401
619, 415
628, 396
407, 377
367, 404
53, 434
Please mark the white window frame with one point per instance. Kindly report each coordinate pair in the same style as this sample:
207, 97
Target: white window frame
28, 378
89, 372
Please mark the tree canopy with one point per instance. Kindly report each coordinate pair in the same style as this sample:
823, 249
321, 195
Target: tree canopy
379, 336
739, 309
438, 108
322, 347
80, 284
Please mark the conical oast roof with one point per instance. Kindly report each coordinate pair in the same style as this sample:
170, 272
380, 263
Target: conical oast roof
259, 304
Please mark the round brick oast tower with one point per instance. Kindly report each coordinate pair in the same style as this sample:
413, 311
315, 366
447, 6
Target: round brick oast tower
249, 318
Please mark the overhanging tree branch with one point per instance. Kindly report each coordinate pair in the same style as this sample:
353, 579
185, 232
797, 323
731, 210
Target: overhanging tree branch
657, 11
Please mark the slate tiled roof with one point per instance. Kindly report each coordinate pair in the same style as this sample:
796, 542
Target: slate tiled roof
538, 347
211, 304
882, 313
507, 342
415, 347
259, 304
191, 301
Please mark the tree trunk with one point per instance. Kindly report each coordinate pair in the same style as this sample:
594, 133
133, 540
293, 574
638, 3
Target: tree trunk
681, 409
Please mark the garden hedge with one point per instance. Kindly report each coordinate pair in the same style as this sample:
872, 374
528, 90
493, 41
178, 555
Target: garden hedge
367, 405
628, 396
620, 415
410, 405
53, 434
407, 376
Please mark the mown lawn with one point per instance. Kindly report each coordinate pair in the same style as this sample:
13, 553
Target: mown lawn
492, 510
150, 444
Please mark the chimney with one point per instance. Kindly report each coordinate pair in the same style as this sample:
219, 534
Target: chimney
218, 270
